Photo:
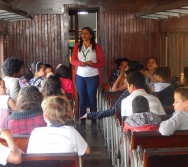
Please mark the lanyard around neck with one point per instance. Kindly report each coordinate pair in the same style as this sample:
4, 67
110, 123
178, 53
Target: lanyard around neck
85, 55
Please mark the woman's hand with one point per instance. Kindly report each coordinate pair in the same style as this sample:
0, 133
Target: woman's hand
87, 63
84, 116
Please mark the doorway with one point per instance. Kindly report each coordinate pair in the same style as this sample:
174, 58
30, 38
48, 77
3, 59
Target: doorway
79, 18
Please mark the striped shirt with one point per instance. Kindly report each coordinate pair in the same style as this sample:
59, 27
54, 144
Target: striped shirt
154, 103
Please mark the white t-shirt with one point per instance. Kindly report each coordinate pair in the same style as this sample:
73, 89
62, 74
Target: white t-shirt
179, 121
87, 55
154, 103
4, 153
4, 101
160, 86
62, 139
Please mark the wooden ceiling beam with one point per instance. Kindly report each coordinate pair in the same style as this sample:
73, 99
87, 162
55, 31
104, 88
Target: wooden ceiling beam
174, 5
10, 8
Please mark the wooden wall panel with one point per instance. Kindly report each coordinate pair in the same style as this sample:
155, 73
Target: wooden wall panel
37, 40
127, 36
176, 45
121, 35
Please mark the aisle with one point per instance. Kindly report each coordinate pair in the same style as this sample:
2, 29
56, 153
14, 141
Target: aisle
99, 156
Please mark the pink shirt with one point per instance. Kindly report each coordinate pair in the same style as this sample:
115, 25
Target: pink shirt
67, 85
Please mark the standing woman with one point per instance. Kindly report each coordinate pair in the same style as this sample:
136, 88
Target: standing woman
88, 59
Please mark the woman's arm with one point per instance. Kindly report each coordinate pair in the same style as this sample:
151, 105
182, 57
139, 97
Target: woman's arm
119, 85
146, 73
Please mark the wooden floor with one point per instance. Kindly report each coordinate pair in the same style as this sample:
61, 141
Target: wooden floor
99, 156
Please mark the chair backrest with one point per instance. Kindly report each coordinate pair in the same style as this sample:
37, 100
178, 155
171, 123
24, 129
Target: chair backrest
156, 140
47, 159
168, 157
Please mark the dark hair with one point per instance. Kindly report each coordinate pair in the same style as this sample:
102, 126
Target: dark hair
48, 66
28, 75
51, 87
133, 64
11, 66
151, 57
36, 66
130, 71
118, 61
62, 71
137, 79
183, 91
140, 104
29, 98
92, 39
164, 73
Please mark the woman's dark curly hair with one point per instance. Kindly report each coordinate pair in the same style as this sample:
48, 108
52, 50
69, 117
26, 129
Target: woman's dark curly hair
52, 87
92, 40
29, 98
11, 66
62, 71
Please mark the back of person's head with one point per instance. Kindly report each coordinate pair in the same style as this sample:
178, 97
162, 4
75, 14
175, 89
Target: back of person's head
12, 66
36, 66
29, 98
51, 86
127, 72
137, 79
183, 91
133, 64
140, 104
57, 109
185, 71
62, 71
164, 73
28, 75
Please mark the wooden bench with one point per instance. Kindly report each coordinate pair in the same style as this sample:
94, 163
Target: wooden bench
156, 140
168, 157
47, 159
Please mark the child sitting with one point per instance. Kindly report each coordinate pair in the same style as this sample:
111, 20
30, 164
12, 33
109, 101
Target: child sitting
141, 119
179, 120
67, 85
163, 75
6, 103
38, 70
59, 138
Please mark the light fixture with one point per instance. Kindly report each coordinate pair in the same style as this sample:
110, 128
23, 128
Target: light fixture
82, 12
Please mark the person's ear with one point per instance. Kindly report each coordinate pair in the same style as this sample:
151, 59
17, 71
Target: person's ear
45, 116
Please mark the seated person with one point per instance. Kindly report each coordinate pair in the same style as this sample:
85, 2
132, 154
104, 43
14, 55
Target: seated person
52, 87
48, 68
136, 86
165, 87
163, 76
22, 80
11, 153
39, 74
29, 114
179, 120
11, 71
63, 72
56, 137
122, 64
6, 103
141, 119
